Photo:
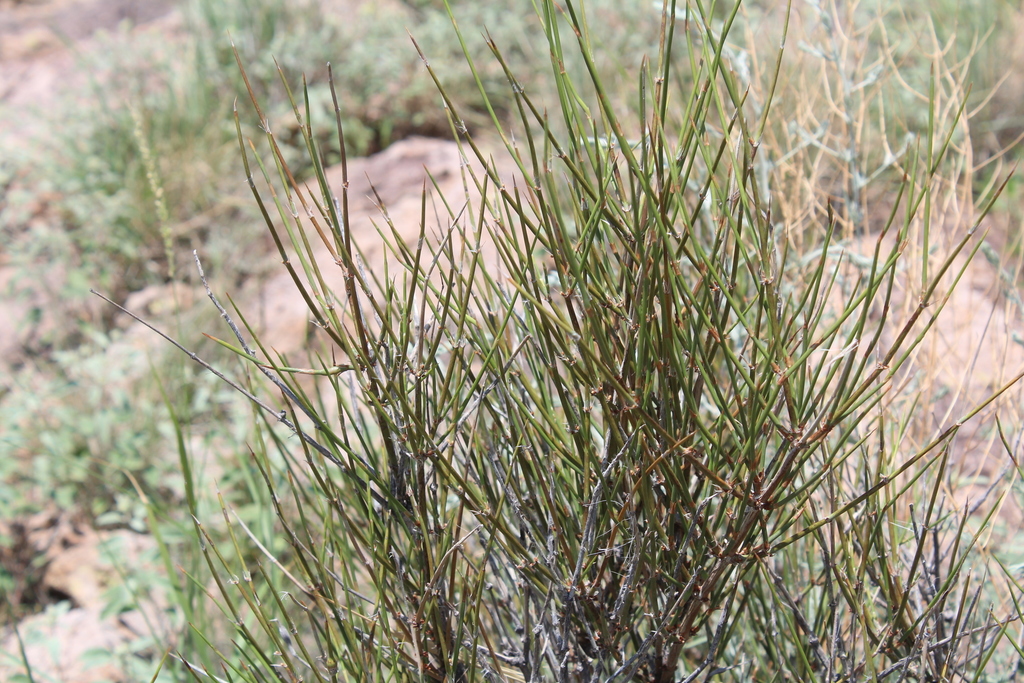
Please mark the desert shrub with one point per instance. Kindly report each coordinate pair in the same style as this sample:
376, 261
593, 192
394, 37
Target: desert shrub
134, 172
624, 419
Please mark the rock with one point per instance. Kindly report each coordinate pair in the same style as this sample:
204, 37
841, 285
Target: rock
73, 640
92, 562
397, 175
57, 644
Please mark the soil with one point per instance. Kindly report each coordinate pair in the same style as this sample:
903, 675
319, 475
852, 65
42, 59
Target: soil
38, 40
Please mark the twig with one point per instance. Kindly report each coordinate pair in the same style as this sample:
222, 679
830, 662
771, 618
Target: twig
945, 641
278, 382
281, 415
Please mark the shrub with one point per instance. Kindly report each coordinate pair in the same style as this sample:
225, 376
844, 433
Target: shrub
623, 420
